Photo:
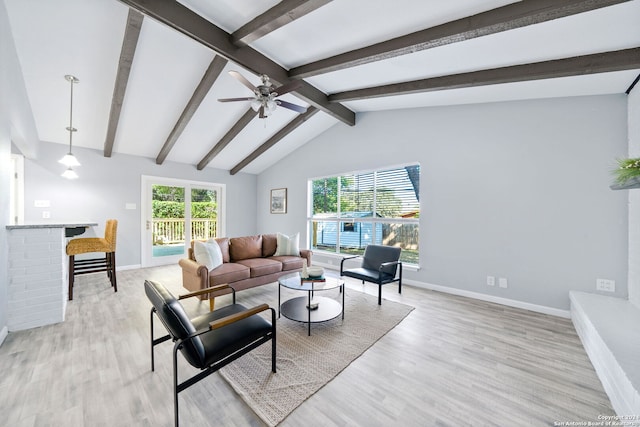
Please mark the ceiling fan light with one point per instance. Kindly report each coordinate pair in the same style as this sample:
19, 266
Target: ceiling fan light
69, 160
271, 105
256, 104
70, 174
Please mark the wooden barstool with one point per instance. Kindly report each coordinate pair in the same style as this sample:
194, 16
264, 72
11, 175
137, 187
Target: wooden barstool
85, 245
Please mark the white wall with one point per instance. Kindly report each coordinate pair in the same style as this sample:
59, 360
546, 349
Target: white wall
107, 184
16, 123
634, 199
515, 189
5, 182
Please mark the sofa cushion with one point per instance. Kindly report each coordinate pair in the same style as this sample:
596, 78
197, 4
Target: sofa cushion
245, 247
261, 266
227, 273
207, 253
223, 242
289, 262
288, 245
269, 245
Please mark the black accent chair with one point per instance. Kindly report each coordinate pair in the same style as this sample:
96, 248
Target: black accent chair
209, 341
379, 265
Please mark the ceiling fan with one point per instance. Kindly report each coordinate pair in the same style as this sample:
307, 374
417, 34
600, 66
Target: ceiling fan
264, 99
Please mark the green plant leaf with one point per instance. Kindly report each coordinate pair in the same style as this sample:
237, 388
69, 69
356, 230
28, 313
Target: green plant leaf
627, 169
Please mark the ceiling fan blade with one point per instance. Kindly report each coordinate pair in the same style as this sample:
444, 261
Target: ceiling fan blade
291, 106
243, 80
288, 87
262, 116
251, 98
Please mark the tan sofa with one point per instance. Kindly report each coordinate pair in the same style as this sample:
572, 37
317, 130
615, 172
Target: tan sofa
248, 261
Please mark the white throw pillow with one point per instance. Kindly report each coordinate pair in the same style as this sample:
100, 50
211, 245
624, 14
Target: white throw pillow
287, 245
208, 253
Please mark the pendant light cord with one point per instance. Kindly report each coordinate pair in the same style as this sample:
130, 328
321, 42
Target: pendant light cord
71, 129
71, 117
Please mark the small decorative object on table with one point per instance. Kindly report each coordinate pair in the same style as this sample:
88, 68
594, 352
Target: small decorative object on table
315, 272
312, 274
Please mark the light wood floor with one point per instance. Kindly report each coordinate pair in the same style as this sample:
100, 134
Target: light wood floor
452, 362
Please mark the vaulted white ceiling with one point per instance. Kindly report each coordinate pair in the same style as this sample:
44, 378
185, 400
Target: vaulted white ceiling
85, 38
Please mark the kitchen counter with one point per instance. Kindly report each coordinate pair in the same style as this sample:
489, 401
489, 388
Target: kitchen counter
69, 224
38, 280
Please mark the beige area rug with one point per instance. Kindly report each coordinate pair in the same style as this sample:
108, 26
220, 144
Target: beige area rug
306, 363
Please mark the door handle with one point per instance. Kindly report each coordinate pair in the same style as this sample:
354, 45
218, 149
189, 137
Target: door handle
148, 225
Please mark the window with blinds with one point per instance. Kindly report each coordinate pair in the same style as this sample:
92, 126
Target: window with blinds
382, 207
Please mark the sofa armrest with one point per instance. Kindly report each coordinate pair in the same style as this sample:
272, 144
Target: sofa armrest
306, 253
194, 276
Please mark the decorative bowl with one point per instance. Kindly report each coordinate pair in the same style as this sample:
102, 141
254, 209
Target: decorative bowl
315, 271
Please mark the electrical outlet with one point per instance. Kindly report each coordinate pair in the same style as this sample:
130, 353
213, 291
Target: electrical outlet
491, 281
502, 282
605, 285
46, 214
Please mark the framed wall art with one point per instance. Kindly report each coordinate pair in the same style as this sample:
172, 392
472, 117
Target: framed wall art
279, 201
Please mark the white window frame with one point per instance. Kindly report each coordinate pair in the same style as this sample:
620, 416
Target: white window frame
339, 219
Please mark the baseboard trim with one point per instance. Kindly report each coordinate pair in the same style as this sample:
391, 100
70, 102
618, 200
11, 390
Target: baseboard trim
3, 334
492, 298
129, 267
479, 296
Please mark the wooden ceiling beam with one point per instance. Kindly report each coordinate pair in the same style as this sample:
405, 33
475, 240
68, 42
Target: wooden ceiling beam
189, 23
620, 60
278, 16
208, 79
509, 17
227, 138
127, 52
290, 127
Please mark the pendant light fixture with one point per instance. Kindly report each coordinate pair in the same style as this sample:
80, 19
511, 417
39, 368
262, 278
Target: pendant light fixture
69, 160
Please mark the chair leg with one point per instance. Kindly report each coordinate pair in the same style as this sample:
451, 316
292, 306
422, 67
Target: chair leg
379, 294
112, 270
175, 384
107, 261
153, 309
212, 303
71, 274
273, 341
